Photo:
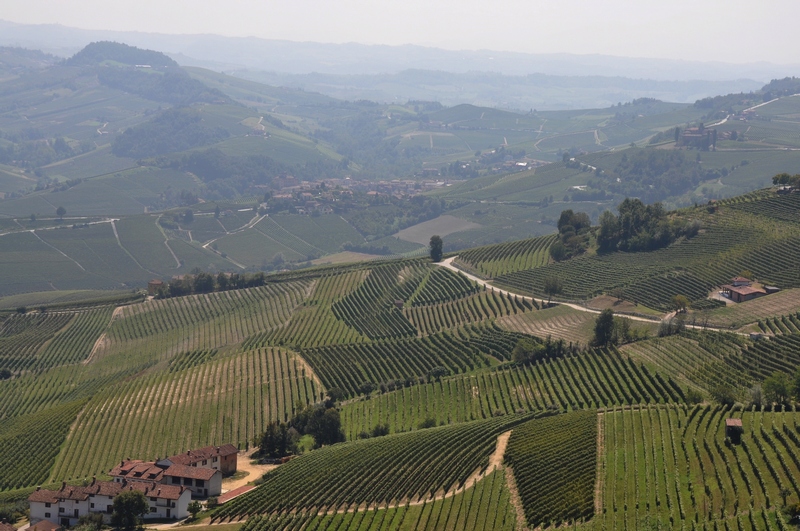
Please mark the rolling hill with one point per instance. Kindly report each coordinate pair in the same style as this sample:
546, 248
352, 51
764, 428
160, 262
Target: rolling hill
444, 424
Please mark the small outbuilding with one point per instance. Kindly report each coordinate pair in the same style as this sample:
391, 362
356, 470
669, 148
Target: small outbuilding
154, 285
734, 430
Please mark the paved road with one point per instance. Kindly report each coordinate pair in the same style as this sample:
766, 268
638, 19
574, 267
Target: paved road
448, 263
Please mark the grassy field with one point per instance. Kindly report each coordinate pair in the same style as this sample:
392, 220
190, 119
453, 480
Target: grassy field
443, 226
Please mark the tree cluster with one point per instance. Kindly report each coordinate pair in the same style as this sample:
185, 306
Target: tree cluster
641, 228
530, 350
653, 174
573, 232
173, 130
203, 282
612, 330
785, 179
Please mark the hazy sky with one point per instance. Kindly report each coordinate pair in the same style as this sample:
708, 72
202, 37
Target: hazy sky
724, 30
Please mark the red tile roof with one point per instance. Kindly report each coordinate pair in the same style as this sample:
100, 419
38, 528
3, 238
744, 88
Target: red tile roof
138, 471
733, 423
745, 290
196, 456
44, 525
43, 496
157, 490
104, 488
193, 472
7, 527
231, 494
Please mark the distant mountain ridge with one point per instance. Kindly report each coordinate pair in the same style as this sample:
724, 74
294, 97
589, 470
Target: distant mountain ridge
214, 51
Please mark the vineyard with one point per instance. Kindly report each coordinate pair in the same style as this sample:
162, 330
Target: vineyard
479, 307
672, 465
495, 260
731, 241
484, 507
598, 378
409, 466
226, 399
706, 359
554, 462
41, 340
596, 438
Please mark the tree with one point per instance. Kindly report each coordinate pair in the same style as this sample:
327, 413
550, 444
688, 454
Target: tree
777, 388
203, 283
195, 508
724, 394
5, 374
604, 328
60, 212
278, 440
680, 303
129, 507
558, 251
188, 216
438, 372
436, 246
33, 218
552, 286
216, 211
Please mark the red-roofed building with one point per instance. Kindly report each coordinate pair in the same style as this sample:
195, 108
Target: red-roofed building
734, 429
136, 470
742, 293
222, 458
7, 527
203, 482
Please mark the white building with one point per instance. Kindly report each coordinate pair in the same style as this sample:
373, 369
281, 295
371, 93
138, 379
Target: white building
66, 505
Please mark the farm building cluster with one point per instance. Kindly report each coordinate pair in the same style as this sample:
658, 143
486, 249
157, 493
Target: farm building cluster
741, 289
169, 484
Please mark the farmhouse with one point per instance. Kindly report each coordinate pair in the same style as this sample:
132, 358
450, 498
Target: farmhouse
7, 527
222, 458
741, 289
67, 504
202, 482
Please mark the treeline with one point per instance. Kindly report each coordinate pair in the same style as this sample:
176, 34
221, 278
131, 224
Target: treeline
173, 130
97, 52
206, 283
640, 228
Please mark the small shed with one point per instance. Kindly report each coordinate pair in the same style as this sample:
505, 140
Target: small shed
154, 285
734, 430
